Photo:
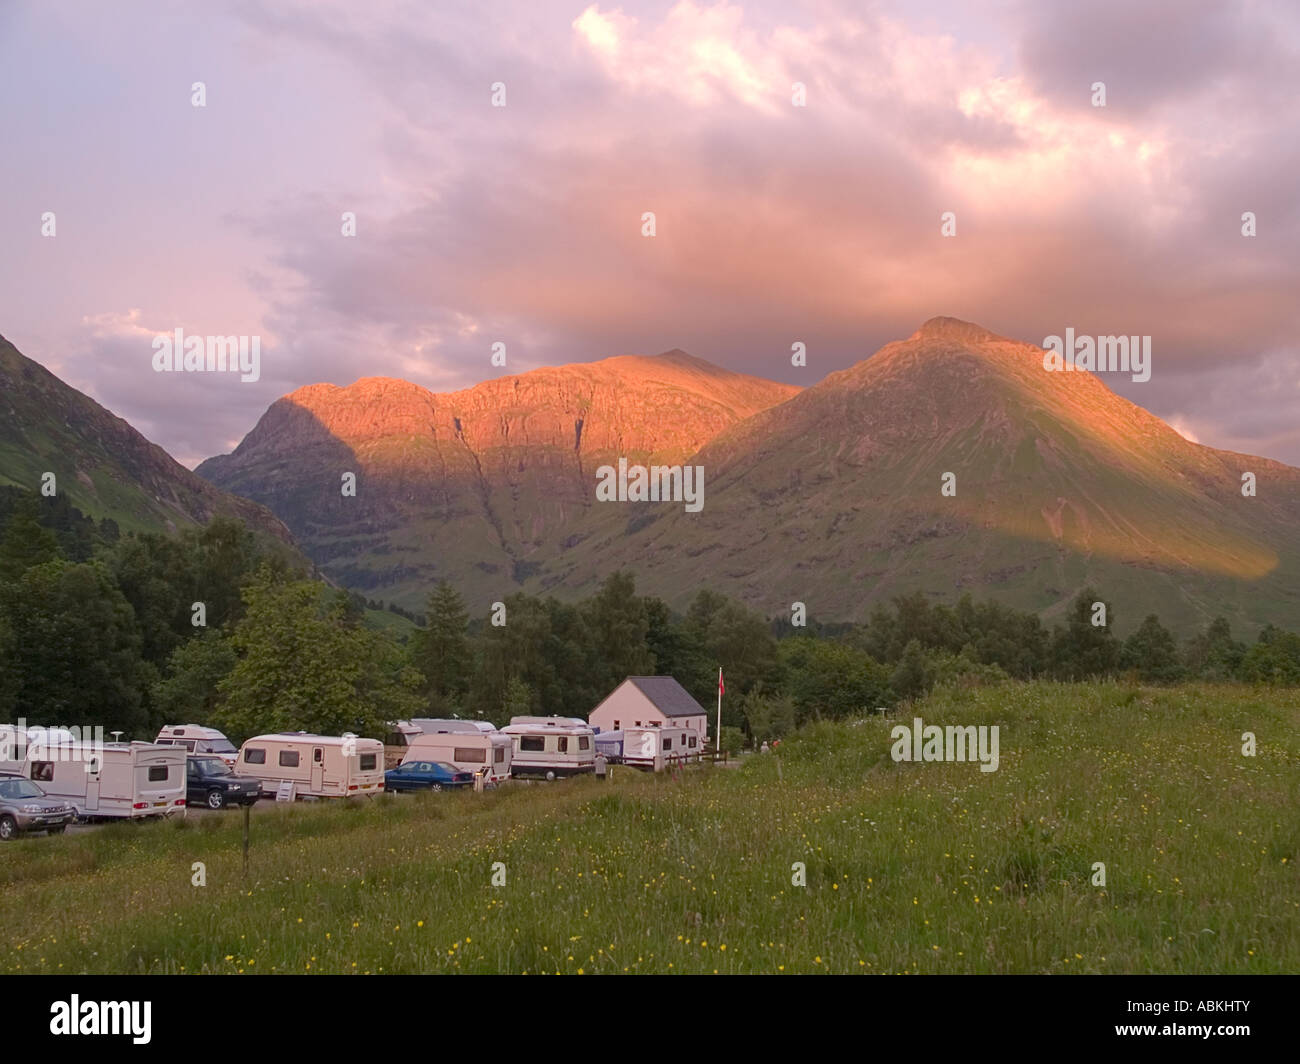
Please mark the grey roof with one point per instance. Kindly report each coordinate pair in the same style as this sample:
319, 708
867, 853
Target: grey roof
668, 696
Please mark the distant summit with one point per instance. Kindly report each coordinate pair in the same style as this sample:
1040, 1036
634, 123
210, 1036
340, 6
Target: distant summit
943, 328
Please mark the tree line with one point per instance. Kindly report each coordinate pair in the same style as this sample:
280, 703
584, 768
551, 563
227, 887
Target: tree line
98, 627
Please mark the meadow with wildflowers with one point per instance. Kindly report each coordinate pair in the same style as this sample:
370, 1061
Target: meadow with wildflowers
910, 867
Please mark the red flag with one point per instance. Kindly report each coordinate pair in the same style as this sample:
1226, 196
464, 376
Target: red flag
721, 690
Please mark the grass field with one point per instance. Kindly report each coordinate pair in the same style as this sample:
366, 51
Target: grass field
911, 868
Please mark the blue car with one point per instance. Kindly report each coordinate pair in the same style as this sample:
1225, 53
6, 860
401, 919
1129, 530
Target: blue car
426, 776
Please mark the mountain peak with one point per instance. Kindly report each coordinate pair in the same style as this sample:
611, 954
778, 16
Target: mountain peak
944, 328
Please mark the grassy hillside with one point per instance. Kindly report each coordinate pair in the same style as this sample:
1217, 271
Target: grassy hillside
910, 867
102, 465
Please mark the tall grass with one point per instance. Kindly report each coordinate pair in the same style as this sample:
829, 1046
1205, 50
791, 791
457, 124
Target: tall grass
911, 867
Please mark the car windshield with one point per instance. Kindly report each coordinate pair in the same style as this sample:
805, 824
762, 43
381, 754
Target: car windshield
213, 766
15, 789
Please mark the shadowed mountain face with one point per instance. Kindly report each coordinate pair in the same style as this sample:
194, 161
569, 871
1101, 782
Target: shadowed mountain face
830, 496
103, 465
834, 499
480, 486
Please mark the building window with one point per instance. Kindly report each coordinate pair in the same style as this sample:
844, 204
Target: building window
288, 758
255, 757
157, 773
616, 723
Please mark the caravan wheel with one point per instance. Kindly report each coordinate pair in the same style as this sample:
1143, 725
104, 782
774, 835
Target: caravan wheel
8, 828
550, 775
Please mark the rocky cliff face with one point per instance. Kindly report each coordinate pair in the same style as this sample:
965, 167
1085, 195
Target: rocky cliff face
477, 486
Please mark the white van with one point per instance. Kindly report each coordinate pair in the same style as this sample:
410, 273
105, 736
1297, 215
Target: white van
198, 740
659, 748
318, 766
466, 745
551, 746
111, 779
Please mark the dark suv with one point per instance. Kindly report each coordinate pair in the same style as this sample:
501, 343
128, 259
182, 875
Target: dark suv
24, 807
210, 781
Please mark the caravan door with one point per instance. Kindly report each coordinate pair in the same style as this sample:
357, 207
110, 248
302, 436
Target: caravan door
93, 770
317, 770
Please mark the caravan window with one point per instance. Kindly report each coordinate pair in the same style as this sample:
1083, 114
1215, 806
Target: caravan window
692, 742
317, 755
288, 758
563, 745
43, 770
157, 773
465, 753
254, 756
584, 743
668, 743
368, 762
500, 754
532, 742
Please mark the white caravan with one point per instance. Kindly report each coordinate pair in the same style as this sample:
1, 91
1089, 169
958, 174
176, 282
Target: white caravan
397, 740
467, 744
551, 746
198, 740
318, 766
111, 779
657, 748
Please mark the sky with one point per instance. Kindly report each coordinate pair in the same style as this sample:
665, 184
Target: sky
522, 224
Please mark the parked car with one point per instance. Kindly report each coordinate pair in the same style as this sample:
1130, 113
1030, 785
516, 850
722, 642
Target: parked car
210, 781
426, 776
25, 807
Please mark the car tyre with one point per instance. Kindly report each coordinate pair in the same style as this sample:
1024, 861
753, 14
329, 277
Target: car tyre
436, 787
216, 800
8, 828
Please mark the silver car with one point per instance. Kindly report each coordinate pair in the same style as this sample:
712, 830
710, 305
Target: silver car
24, 807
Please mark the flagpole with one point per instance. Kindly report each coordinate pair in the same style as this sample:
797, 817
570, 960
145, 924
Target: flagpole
719, 747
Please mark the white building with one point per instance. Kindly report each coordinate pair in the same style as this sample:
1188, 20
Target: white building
650, 702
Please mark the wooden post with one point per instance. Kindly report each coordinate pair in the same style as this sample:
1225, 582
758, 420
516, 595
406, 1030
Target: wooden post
248, 809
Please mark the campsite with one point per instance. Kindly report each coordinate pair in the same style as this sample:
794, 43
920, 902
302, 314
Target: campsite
905, 867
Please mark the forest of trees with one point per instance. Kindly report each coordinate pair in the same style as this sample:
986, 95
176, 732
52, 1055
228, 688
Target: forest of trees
101, 628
